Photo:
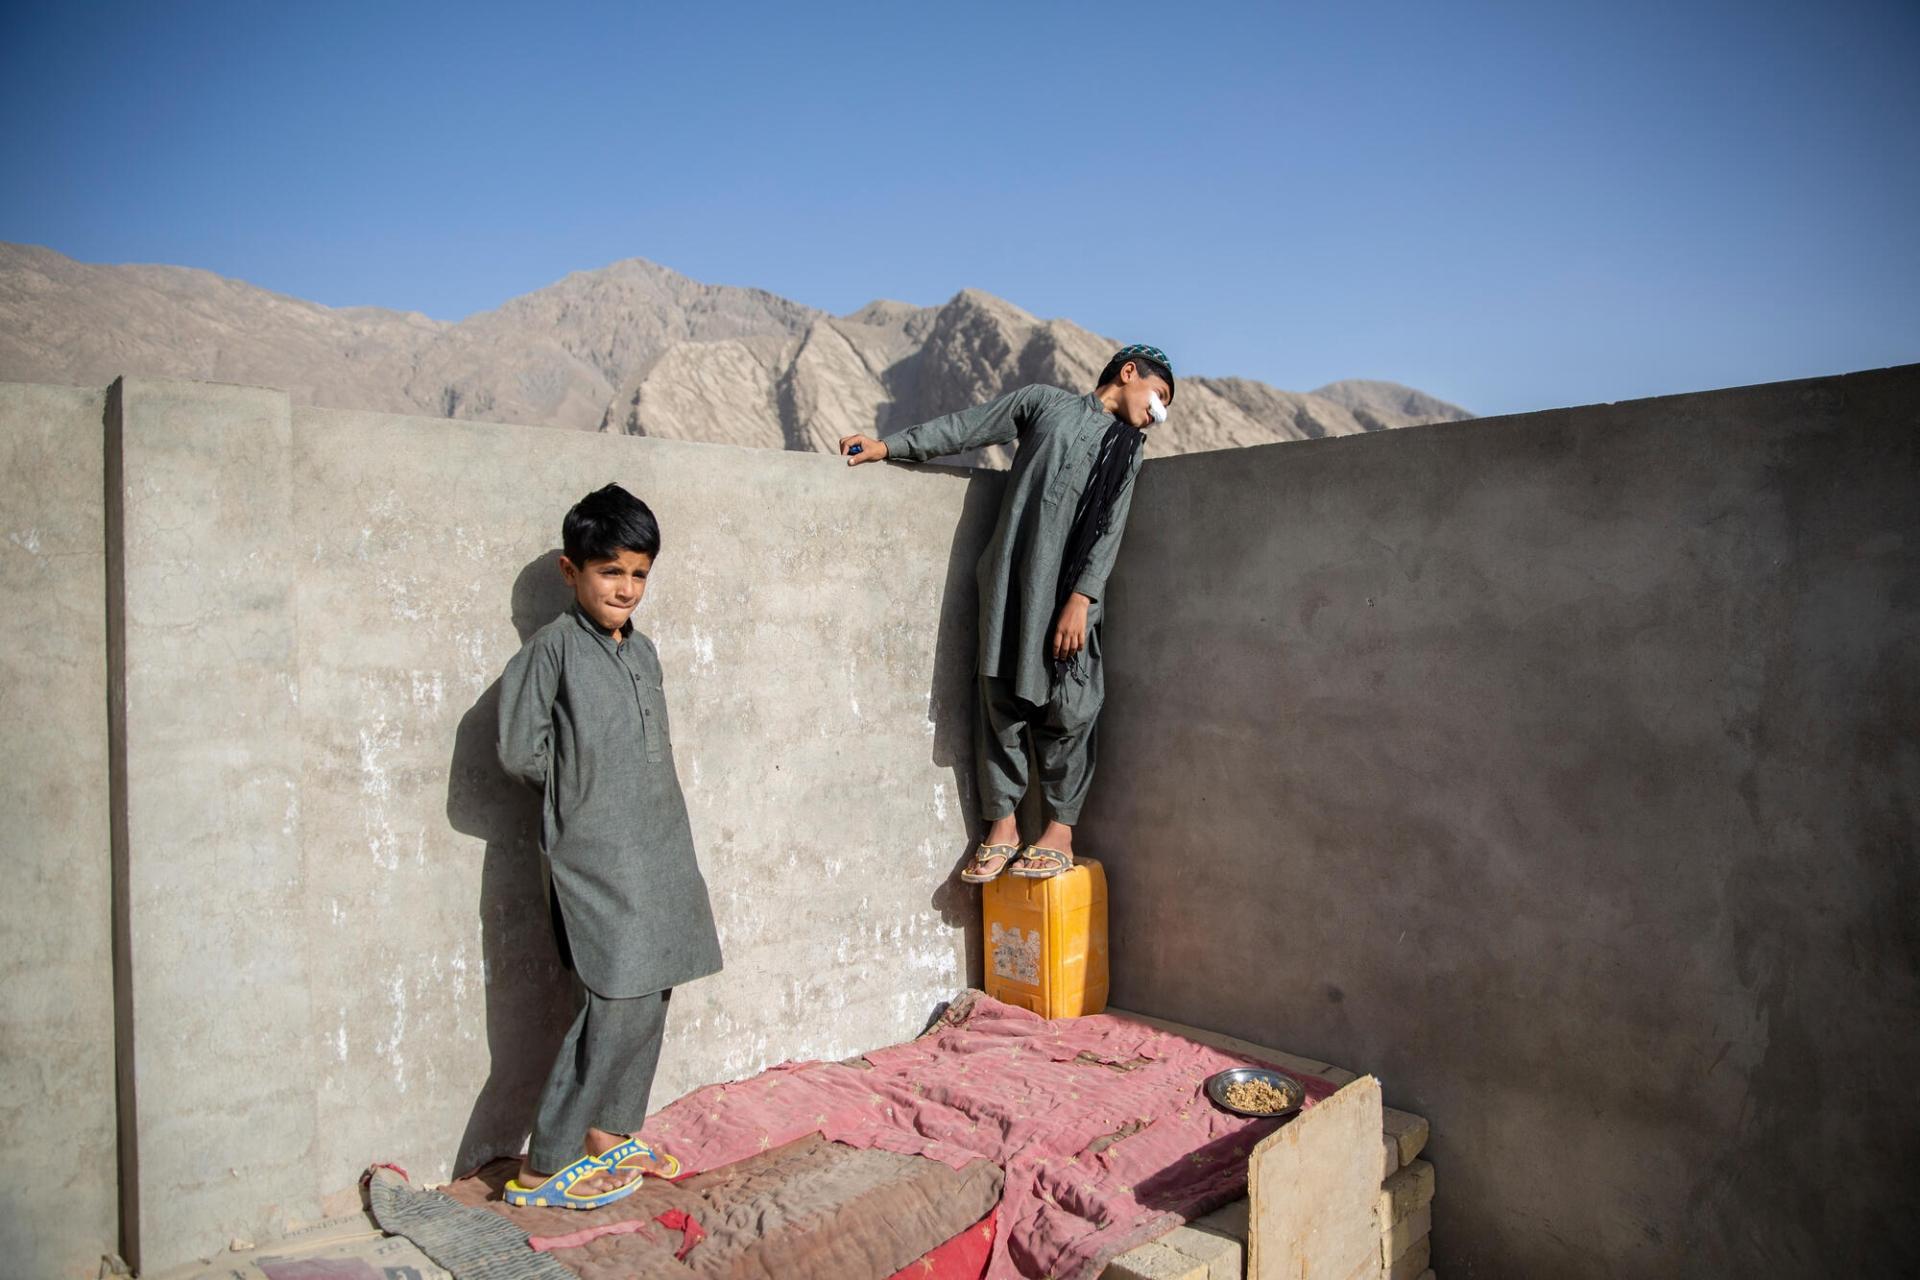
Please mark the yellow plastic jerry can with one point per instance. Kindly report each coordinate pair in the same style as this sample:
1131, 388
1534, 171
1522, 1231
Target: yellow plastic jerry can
1047, 941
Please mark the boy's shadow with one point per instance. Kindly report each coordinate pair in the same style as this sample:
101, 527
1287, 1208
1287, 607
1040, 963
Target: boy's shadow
529, 994
953, 700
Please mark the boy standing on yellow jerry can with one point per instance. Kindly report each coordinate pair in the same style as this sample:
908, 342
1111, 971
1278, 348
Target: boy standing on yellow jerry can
1042, 579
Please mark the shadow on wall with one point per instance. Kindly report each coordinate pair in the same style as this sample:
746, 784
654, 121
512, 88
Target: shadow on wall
529, 994
953, 698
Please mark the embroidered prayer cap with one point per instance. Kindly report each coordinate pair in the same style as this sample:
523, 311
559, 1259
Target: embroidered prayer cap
1142, 349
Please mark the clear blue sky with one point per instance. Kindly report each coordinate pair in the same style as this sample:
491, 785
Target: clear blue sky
1513, 206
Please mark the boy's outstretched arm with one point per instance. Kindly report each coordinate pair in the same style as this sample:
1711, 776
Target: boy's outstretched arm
527, 689
995, 422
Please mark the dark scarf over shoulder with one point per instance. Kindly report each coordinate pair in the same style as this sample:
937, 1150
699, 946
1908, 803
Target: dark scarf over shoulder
1118, 448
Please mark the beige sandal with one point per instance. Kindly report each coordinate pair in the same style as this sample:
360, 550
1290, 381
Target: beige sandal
1037, 863
989, 860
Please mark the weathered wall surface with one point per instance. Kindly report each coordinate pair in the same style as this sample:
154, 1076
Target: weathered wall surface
1562, 772
58, 1213
205, 562
820, 705
339, 950
1558, 770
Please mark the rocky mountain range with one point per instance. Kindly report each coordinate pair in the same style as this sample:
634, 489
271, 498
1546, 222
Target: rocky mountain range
632, 348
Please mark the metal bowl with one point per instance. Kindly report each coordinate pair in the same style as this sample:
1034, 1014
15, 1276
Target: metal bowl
1217, 1090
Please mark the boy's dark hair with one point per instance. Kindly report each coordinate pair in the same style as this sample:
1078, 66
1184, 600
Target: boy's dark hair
606, 522
1148, 362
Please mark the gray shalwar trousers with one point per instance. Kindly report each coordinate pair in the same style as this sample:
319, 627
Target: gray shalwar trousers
1063, 741
601, 1077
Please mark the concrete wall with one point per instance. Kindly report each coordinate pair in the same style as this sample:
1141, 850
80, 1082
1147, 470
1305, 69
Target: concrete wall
1559, 770
338, 949
58, 1213
1562, 771
220, 1121
820, 706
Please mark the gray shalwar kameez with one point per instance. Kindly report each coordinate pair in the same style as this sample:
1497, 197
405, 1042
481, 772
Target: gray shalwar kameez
1018, 576
583, 717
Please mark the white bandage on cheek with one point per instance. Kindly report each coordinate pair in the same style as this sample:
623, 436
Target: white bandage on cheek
1156, 410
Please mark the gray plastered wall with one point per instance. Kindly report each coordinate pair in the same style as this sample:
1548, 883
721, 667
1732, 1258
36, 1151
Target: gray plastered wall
820, 719
1561, 771
335, 944
59, 1212
219, 1124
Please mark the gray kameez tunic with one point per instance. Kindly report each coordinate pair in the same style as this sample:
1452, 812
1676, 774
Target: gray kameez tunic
1019, 572
585, 720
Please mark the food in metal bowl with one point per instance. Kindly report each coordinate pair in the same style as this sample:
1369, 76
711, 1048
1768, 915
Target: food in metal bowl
1256, 1091
1258, 1095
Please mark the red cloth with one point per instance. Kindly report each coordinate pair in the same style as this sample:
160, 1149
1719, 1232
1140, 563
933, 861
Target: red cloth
1100, 1123
962, 1258
691, 1232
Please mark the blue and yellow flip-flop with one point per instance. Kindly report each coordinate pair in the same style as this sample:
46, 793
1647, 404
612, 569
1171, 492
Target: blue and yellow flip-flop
618, 1156
557, 1192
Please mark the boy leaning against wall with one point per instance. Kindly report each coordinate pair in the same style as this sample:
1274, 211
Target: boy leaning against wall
583, 719
1042, 579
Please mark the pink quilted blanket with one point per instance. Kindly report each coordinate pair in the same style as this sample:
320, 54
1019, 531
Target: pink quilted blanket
1101, 1125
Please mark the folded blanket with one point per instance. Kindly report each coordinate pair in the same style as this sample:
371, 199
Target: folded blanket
803, 1208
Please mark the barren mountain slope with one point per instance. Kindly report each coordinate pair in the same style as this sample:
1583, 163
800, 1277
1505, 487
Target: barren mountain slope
632, 347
